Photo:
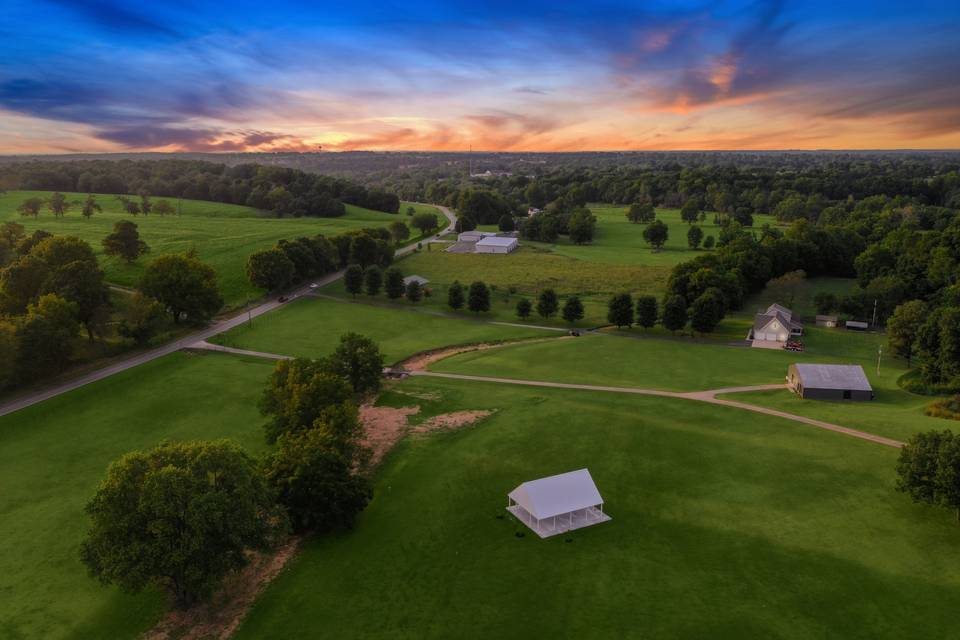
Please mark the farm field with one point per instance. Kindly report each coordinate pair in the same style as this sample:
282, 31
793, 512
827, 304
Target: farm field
311, 327
618, 260
722, 527
224, 235
53, 455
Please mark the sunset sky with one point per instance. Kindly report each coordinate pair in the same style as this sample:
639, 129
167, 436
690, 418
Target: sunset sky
559, 76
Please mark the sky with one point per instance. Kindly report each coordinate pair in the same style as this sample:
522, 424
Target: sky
108, 75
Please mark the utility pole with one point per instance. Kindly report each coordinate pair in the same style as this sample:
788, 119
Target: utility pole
874, 322
879, 355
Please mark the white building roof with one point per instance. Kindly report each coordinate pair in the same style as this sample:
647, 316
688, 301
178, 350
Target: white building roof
496, 241
557, 495
833, 376
415, 278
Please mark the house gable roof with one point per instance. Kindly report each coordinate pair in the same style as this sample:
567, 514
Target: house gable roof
557, 495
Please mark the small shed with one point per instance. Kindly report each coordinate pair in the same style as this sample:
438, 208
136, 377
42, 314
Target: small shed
415, 278
856, 325
829, 382
559, 503
827, 321
497, 244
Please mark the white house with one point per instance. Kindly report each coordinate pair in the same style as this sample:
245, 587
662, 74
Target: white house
559, 503
496, 244
776, 324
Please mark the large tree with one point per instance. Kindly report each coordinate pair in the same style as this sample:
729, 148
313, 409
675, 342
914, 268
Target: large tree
358, 359
399, 231
694, 237
647, 311
184, 285
572, 309
393, 283
180, 517
20, 283
316, 482
478, 297
620, 310
706, 311
548, 304
30, 208
125, 242
524, 308
90, 207
300, 392
581, 225
904, 326
425, 222
270, 269
455, 297
353, 280
45, 337
641, 212
58, 204
928, 469
372, 280
690, 211
143, 318
674, 313
656, 234
82, 283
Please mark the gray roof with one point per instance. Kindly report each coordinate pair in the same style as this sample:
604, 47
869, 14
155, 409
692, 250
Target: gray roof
496, 241
415, 278
833, 376
556, 495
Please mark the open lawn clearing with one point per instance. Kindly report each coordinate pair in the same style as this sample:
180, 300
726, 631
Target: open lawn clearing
224, 235
311, 327
654, 363
724, 525
802, 298
617, 241
52, 455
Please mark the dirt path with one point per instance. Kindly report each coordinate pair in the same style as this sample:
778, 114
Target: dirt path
420, 361
203, 345
708, 396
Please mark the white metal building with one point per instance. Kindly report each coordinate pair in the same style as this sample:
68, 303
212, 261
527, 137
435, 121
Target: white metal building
557, 504
496, 244
474, 236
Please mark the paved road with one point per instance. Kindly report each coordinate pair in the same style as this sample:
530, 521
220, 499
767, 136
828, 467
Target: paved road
200, 336
701, 396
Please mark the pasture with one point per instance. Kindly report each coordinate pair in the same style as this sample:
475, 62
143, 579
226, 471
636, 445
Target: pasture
722, 527
53, 455
223, 235
311, 327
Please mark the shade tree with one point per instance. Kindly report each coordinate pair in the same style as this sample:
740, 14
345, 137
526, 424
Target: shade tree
125, 242
620, 310
184, 285
647, 311
393, 283
478, 297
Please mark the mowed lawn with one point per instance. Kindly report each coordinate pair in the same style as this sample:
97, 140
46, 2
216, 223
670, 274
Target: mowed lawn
725, 525
53, 455
311, 327
618, 260
224, 235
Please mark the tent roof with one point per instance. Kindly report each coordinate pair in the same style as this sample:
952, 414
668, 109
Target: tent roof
497, 241
556, 495
833, 376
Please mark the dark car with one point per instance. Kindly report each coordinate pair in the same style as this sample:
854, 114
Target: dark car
574, 333
282, 299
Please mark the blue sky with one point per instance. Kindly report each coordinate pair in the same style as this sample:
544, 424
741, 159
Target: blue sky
110, 76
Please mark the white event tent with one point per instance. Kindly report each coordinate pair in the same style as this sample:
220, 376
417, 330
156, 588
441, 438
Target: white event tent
558, 503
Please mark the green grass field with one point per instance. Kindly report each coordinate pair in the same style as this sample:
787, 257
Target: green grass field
723, 527
618, 260
224, 235
53, 455
311, 327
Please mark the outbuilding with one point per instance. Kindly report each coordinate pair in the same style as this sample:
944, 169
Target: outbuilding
827, 321
559, 503
496, 244
474, 236
829, 382
856, 325
415, 278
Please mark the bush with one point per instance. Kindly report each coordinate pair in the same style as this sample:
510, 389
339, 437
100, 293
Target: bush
948, 408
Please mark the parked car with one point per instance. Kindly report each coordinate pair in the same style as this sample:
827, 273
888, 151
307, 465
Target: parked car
793, 345
574, 333
314, 285
282, 299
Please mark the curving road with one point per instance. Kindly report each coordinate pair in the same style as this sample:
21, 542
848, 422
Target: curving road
216, 328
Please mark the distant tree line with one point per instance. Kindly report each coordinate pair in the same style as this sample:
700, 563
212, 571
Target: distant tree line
280, 190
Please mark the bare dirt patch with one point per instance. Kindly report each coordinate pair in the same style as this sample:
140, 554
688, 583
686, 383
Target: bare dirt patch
420, 361
384, 426
220, 617
450, 421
